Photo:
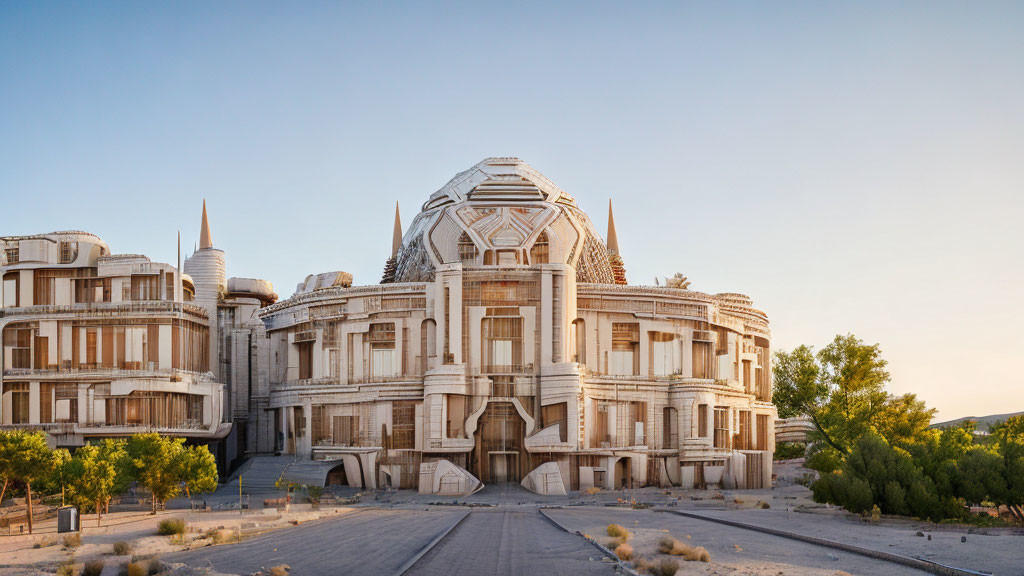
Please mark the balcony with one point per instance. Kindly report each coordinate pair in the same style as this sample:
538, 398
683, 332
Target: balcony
110, 309
130, 370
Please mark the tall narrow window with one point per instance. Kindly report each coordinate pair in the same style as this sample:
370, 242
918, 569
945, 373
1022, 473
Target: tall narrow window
467, 249
456, 420
503, 342
625, 343
384, 361
403, 425
18, 392
539, 252
68, 252
664, 354
670, 428
305, 360
722, 427
702, 421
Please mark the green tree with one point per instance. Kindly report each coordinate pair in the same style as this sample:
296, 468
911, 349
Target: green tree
841, 389
6, 472
197, 470
29, 460
59, 474
153, 460
1009, 443
94, 472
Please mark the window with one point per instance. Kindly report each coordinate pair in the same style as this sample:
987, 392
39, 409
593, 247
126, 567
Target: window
702, 356
743, 440
403, 425
20, 342
539, 252
721, 427
702, 421
145, 288
467, 249
503, 342
19, 401
305, 360
89, 290
12, 287
45, 287
90, 348
664, 354
623, 360
456, 420
12, 255
670, 429
383, 357
762, 431
556, 414
346, 430
68, 252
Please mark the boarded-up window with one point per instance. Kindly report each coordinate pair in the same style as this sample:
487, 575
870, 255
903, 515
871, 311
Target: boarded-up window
553, 414
456, 416
539, 252
305, 360
46, 402
19, 401
403, 425
90, 347
346, 430
762, 431
702, 421
670, 424
721, 427
108, 346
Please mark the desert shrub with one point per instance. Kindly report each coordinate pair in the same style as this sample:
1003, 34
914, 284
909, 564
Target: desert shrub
624, 551
790, 450
221, 536
73, 540
45, 542
122, 548
674, 547
94, 568
66, 569
171, 526
618, 531
665, 567
763, 505
592, 490
132, 569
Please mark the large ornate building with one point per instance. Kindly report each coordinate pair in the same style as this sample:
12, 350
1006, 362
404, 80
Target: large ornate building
99, 345
504, 343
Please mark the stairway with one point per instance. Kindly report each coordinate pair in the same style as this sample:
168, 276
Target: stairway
259, 475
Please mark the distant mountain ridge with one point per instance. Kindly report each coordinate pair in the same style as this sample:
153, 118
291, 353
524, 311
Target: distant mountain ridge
983, 421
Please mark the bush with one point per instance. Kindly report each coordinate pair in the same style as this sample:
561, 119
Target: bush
674, 547
624, 551
280, 570
73, 540
132, 569
592, 490
618, 531
790, 450
94, 568
122, 548
171, 526
66, 569
666, 567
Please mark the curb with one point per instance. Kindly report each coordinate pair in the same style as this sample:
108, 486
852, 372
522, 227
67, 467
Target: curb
423, 551
623, 566
925, 565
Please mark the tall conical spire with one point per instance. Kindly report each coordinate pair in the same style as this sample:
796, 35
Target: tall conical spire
613, 239
396, 240
205, 239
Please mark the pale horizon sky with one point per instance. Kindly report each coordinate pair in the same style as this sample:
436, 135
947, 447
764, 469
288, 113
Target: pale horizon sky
852, 167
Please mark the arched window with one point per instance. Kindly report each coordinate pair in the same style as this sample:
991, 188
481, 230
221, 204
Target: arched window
467, 250
539, 252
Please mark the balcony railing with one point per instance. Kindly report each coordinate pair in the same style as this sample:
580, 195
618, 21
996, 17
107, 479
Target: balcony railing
109, 309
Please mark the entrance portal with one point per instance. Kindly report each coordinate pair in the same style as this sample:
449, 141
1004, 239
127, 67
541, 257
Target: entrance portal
499, 455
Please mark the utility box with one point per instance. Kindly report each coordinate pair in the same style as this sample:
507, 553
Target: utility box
67, 519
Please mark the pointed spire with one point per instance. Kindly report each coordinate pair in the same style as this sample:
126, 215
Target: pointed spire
613, 239
205, 239
396, 240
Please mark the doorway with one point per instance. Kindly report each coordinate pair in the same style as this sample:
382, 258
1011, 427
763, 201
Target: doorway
499, 454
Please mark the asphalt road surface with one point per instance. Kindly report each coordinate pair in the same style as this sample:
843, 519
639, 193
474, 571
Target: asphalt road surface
372, 542
511, 542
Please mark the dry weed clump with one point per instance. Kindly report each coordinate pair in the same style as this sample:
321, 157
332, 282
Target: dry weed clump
624, 551
171, 527
618, 531
663, 567
122, 548
280, 570
73, 540
592, 490
94, 568
689, 553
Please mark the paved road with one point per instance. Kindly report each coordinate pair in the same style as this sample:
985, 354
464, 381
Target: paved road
517, 541
371, 542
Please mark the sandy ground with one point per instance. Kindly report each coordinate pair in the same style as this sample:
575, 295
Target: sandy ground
733, 551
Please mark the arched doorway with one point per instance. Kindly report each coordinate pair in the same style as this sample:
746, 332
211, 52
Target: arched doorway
499, 454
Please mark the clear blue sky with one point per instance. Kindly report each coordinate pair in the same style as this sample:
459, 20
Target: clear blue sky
853, 167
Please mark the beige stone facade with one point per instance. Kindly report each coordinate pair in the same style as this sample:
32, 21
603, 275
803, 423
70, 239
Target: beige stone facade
504, 338
99, 345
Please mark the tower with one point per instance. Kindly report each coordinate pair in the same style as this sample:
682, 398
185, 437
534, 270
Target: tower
207, 267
